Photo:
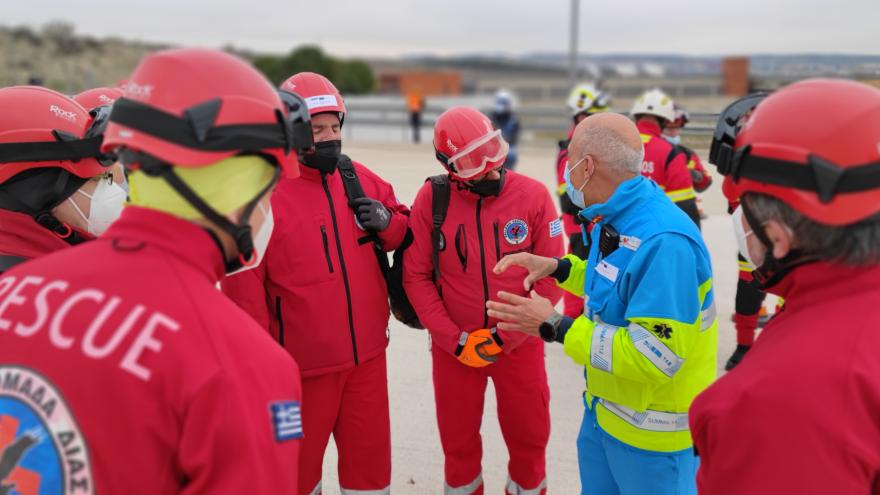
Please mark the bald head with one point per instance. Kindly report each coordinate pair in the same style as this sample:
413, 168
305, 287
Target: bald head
612, 139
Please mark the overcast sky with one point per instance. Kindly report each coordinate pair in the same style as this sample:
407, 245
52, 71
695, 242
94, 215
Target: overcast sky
398, 27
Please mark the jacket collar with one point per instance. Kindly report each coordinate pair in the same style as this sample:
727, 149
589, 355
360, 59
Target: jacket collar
646, 127
21, 236
818, 282
180, 238
624, 198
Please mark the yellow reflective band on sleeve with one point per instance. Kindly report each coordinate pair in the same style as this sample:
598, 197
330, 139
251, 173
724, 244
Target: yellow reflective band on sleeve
574, 284
658, 353
645, 138
577, 340
681, 194
602, 347
561, 189
692, 164
745, 266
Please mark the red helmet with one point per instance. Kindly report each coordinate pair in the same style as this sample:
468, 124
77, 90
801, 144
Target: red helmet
194, 107
320, 94
97, 97
466, 144
815, 145
44, 128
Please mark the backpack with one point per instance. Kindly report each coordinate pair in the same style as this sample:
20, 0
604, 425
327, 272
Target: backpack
401, 308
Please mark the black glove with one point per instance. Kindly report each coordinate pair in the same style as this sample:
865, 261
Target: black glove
371, 214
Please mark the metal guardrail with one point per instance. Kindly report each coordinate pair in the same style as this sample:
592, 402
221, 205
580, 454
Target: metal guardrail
389, 115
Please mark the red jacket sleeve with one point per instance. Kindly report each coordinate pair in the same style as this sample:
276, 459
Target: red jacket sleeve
227, 443
383, 192
545, 244
418, 272
698, 165
248, 290
677, 175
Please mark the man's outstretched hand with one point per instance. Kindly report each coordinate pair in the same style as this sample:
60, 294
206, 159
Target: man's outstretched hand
520, 314
537, 266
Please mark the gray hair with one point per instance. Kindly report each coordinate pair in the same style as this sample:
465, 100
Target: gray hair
857, 244
609, 148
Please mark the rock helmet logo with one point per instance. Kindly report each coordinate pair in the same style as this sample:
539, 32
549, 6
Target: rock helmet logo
41, 447
516, 231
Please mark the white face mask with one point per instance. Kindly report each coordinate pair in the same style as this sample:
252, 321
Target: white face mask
742, 236
106, 205
261, 239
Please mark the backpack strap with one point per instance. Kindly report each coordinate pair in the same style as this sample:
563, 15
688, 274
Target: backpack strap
8, 261
354, 191
440, 192
674, 152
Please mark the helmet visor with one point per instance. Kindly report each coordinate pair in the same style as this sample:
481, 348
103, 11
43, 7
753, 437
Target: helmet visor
472, 160
729, 123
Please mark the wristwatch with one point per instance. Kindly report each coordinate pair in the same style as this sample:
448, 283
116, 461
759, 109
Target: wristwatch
550, 327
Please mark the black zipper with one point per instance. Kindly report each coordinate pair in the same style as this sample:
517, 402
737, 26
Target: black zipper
280, 320
461, 242
483, 264
354, 349
497, 244
326, 248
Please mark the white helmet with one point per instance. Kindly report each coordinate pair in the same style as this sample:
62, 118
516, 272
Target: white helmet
586, 98
654, 102
504, 101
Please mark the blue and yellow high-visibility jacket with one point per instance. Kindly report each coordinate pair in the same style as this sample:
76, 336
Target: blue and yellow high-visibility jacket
649, 335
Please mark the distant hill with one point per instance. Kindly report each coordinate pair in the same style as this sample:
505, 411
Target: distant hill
64, 60
604, 64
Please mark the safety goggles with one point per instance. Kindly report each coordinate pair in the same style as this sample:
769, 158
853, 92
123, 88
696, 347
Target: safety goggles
729, 123
471, 160
100, 119
815, 174
196, 129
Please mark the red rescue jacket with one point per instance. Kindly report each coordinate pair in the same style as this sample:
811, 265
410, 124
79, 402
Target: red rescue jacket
800, 413
21, 236
319, 290
672, 177
124, 370
478, 233
568, 222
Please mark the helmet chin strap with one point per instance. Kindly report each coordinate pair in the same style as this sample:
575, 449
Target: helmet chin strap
773, 269
240, 232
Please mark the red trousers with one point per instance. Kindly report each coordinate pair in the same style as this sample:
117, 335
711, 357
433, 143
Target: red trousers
353, 406
523, 397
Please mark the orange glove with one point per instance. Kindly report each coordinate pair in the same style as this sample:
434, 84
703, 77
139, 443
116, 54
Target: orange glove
479, 348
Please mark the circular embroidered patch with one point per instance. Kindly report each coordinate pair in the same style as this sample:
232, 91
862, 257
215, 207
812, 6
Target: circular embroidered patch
516, 231
43, 450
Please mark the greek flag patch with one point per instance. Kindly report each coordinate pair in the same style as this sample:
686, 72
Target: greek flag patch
286, 420
556, 228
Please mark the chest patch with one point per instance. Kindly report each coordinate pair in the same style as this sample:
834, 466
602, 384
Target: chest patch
516, 231
607, 270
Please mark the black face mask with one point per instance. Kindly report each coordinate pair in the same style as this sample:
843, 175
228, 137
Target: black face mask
488, 187
325, 157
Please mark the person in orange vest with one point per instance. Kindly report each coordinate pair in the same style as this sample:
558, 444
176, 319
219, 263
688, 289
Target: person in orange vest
415, 103
653, 111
